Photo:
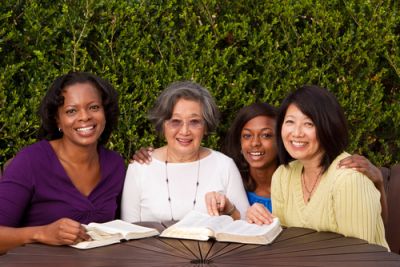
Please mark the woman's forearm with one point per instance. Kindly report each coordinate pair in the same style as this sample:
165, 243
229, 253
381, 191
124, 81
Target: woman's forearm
14, 237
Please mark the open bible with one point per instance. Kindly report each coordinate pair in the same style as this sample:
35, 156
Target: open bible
103, 234
201, 226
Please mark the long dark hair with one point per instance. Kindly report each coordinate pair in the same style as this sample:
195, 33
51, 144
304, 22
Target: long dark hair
232, 144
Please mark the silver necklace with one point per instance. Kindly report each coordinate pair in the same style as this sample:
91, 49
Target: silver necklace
310, 192
167, 182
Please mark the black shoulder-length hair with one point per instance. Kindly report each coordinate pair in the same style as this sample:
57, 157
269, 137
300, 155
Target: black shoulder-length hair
322, 107
54, 99
232, 145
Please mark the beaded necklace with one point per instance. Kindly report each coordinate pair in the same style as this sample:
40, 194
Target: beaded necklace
167, 182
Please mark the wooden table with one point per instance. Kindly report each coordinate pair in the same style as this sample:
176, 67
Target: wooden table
294, 247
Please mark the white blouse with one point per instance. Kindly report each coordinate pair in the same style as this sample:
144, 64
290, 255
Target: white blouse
145, 193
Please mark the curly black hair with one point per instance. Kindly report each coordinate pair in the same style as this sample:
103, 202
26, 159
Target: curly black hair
54, 99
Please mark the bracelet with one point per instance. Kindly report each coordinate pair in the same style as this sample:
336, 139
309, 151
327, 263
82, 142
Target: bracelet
231, 210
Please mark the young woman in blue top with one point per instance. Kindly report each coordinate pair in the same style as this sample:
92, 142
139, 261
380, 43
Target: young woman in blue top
250, 142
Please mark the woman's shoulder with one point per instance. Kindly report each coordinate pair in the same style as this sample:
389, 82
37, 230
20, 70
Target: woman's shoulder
30, 159
216, 156
153, 164
145, 173
293, 166
341, 172
112, 163
284, 174
346, 176
110, 154
211, 153
34, 151
42, 145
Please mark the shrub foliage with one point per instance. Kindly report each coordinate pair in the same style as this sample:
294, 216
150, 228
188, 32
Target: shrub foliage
242, 51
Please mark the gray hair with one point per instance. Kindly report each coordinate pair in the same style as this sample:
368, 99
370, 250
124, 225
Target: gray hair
165, 103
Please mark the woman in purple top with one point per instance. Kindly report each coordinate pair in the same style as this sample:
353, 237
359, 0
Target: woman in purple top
68, 178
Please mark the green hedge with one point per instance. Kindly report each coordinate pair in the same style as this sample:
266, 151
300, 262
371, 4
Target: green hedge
243, 51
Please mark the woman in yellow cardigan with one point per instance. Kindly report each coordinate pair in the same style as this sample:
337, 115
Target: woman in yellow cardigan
308, 190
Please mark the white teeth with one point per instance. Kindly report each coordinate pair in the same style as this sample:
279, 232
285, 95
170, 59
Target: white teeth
297, 143
256, 153
85, 129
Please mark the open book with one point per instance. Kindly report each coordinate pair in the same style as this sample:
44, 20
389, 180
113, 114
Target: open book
103, 234
201, 226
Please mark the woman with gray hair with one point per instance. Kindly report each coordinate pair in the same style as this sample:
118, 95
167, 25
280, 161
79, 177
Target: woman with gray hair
183, 175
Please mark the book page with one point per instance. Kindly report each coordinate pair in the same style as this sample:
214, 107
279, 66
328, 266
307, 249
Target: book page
99, 234
197, 225
195, 219
98, 239
126, 229
241, 227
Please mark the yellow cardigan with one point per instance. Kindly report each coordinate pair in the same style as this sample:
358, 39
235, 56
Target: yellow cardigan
345, 202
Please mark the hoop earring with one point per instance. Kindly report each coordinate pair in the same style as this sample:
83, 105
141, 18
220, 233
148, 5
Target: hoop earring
60, 130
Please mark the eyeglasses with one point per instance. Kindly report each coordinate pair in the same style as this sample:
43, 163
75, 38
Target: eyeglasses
192, 123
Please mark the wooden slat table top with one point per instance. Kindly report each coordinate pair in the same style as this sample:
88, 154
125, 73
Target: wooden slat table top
294, 247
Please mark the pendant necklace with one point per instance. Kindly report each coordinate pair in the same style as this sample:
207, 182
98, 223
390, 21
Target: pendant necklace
167, 182
306, 188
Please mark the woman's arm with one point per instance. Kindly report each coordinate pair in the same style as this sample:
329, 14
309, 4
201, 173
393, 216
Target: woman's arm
277, 196
143, 155
357, 209
130, 203
61, 232
232, 199
235, 189
363, 165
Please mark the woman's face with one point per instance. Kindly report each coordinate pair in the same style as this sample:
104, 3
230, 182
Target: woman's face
81, 117
299, 136
258, 142
186, 128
